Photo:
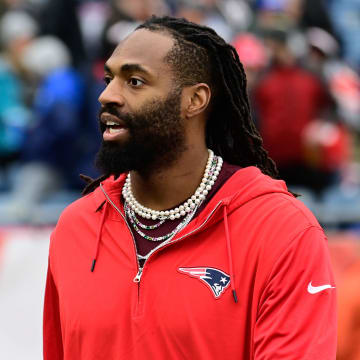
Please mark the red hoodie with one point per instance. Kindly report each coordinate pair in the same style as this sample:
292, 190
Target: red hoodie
253, 237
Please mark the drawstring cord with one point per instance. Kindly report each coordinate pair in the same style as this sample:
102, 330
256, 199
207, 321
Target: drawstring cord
228, 246
98, 238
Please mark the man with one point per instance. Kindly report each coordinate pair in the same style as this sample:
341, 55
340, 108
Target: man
178, 252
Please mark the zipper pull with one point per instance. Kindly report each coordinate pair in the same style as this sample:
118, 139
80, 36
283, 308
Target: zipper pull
137, 278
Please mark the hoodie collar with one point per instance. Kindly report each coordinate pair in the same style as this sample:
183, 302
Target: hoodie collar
113, 188
243, 186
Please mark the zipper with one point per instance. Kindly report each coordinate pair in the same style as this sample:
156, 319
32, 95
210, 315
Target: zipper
138, 275
168, 242
137, 278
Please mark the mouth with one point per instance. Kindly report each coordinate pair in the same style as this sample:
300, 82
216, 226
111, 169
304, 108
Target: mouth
113, 126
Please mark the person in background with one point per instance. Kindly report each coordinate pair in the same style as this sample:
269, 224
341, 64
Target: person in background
287, 99
50, 154
330, 138
17, 29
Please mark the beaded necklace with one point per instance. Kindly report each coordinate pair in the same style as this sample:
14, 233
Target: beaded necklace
134, 222
212, 170
187, 209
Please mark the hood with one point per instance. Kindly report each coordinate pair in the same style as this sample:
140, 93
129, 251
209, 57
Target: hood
247, 184
243, 186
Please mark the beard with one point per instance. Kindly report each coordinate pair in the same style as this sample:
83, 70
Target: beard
156, 138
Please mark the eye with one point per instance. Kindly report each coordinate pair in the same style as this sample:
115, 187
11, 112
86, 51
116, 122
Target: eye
107, 80
135, 82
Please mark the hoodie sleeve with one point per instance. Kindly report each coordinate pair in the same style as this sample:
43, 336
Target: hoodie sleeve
296, 316
52, 338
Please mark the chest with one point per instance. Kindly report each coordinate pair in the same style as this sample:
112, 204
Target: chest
183, 284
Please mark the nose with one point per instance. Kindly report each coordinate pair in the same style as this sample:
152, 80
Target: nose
112, 94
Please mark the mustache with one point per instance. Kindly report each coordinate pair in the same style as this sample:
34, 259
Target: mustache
113, 110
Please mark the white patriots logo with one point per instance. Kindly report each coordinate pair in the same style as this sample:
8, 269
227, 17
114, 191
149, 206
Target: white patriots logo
217, 280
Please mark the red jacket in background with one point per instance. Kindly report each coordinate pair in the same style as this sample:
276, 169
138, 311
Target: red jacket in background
252, 236
287, 99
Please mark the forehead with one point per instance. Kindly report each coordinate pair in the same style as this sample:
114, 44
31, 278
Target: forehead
143, 47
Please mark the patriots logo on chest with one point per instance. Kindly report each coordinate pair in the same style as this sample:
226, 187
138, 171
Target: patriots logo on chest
216, 280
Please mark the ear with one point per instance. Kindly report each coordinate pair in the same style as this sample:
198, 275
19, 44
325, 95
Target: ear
196, 99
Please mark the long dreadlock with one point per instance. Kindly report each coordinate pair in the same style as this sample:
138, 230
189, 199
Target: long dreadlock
200, 55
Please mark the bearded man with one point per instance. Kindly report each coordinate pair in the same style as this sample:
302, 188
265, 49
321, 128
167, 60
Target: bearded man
187, 247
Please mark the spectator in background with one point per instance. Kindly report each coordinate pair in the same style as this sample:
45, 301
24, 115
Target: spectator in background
288, 98
17, 29
333, 136
51, 151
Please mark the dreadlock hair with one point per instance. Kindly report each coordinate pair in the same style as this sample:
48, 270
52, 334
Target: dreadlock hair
200, 55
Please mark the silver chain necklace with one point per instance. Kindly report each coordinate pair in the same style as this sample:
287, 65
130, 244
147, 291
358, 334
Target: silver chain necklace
131, 215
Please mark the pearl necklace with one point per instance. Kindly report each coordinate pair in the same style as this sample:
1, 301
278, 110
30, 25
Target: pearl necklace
211, 173
134, 222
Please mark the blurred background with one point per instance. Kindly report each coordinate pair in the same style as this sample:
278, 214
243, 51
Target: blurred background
302, 59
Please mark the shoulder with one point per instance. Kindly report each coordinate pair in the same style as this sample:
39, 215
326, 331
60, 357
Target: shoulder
290, 230
77, 215
264, 201
289, 204
290, 218
279, 221
281, 208
76, 226
82, 205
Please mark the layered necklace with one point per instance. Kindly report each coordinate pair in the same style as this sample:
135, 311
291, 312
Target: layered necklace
186, 210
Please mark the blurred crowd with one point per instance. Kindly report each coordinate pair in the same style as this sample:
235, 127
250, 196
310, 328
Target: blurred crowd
302, 59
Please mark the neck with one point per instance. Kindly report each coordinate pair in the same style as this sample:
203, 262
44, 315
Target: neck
166, 188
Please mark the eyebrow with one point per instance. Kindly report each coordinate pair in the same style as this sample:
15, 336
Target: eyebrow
126, 68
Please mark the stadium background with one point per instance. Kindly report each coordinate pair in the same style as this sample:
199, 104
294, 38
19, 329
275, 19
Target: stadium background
302, 58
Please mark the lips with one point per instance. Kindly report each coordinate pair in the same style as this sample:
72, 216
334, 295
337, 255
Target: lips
115, 127
112, 121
